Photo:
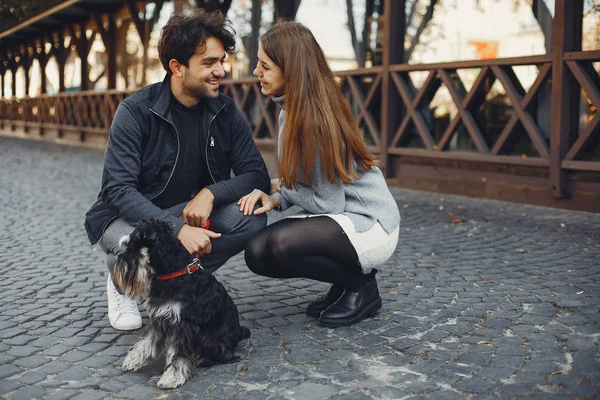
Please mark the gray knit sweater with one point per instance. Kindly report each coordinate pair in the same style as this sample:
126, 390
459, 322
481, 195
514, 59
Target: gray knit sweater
365, 201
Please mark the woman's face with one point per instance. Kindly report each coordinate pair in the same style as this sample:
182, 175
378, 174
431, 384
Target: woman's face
272, 81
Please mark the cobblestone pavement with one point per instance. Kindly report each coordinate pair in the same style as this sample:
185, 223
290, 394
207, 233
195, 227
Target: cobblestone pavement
502, 304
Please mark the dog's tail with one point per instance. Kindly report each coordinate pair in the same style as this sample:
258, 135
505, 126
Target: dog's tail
245, 332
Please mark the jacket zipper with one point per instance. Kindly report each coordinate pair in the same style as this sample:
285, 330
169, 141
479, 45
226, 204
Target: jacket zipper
168, 180
208, 137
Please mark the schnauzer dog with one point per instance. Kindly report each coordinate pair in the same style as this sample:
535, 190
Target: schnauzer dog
191, 314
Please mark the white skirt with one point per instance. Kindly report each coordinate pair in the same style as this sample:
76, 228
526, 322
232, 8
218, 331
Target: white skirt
373, 246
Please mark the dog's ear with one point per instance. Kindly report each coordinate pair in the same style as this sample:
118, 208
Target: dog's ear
131, 270
147, 232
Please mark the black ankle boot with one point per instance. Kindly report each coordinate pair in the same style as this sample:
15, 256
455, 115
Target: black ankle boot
352, 307
325, 300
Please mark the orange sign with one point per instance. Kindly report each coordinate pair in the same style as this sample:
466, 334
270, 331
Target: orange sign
485, 50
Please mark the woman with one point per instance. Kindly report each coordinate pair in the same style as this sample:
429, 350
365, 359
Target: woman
351, 222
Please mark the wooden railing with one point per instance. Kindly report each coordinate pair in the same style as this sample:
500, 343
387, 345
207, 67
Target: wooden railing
587, 144
70, 117
489, 145
472, 115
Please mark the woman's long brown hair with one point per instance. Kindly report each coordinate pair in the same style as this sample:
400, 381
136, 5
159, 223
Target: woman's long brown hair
317, 113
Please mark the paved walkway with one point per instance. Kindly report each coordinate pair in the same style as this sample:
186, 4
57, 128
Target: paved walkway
502, 304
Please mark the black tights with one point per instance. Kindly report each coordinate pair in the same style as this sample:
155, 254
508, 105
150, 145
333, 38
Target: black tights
315, 248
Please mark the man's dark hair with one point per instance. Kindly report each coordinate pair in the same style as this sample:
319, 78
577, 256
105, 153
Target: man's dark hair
181, 36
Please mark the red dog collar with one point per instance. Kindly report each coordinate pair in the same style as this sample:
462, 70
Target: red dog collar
189, 269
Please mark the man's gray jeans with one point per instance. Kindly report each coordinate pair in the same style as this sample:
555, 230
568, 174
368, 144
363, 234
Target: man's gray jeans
235, 227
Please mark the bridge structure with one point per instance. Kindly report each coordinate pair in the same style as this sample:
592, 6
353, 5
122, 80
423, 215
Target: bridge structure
541, 151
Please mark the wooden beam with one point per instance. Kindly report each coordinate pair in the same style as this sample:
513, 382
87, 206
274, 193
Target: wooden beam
567, 31
40, 16
135, 17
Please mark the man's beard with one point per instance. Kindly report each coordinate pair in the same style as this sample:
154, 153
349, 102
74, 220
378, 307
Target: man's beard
197, 88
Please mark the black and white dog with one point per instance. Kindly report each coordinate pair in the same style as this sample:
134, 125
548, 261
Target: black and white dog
191, 313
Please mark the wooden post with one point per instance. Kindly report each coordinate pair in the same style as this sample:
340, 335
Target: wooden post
394, 20
83, 49
3, 70
43, 59
286, 9
254, 35
13, 70
566, 36
60, 53
111, 49
26, 61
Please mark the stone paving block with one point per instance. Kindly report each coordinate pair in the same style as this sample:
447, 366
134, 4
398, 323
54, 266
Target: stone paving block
29, 378
32, 361
74, 374
28, 393
6, 358
89, 395
7, 386
54, 367
115, 350
139, 392
57, 350
11, 332
75, 341
353, 395
23, 351
61, 394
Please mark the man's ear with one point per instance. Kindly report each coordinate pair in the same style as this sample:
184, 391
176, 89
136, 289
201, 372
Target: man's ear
176, 68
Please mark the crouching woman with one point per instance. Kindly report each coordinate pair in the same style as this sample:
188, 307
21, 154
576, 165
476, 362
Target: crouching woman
351, 220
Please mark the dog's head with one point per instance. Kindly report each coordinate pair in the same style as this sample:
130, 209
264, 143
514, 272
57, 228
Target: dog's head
147, 251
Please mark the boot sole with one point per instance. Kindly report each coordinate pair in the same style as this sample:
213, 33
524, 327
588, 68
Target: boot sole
369, 310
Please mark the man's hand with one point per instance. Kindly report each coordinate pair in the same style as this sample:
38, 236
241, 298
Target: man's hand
248, 202
197, 240
197, 211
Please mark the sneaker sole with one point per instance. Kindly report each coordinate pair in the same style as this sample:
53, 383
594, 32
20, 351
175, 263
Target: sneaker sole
366, 312
125, 327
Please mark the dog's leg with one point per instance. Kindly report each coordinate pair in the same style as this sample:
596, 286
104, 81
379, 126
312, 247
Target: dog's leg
143, 351
177, 371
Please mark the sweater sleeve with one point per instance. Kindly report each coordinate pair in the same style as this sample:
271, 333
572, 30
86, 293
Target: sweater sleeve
323, 197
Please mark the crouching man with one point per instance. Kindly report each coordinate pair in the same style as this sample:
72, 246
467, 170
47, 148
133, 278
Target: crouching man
171, 149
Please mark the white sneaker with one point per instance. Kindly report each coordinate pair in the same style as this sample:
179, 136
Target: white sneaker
123, 312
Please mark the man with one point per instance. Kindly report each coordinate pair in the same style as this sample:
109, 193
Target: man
171, 150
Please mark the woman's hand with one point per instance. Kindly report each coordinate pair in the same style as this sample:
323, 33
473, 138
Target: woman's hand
248, 202
275, 185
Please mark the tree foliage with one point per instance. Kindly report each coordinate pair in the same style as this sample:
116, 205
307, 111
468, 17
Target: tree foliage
13, 12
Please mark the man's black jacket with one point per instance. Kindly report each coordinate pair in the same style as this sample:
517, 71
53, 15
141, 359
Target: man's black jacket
142, 150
